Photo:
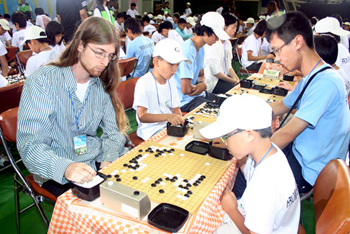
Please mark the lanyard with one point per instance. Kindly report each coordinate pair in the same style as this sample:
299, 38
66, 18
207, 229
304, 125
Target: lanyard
171, 101
81, 110
251, 174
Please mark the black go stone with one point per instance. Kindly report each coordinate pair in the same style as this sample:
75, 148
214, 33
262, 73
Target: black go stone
134, 178
172, 180
153, 185
195, 184
109, 176
156, 155
189, 192
157, 182
125, 165
180, 186
185, 181
118, 179
203, 177
175, 177
129, 166
151, 151
167, 178
140, 150
160, 179
157, 150
116, 176
161, 191
187, 195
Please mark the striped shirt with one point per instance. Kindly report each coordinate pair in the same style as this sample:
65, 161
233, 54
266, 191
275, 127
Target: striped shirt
46, 124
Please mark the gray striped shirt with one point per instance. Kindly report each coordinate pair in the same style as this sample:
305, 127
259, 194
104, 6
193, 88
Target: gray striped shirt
46, 124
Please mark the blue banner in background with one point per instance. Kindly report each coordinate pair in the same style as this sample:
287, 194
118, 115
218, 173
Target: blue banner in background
10, 6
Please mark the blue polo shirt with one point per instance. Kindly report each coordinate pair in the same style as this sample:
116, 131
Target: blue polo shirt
325, 107
189, 71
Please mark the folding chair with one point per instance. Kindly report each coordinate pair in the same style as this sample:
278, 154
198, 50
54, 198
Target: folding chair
11, 53
243, 70
126, 66
125, 92
22, 58
10, 96
27, 185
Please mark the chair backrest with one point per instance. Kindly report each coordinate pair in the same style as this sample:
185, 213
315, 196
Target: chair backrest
23, 56
11, 53
10, 96
241, 39
8, 124
332, 198
126, 91
239, 51
126, 66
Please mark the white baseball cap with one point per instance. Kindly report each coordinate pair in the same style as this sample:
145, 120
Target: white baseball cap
216, 22
5, 24
34, 32
159, 17
170, 50
239, 112
195, 18
330, 25
188, 3
191, 21
250, 20
346, 23
150, 16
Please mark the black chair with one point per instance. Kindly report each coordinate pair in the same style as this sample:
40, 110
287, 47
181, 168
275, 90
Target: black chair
27, 185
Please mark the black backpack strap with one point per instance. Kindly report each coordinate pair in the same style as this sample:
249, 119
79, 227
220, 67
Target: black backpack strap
301, 94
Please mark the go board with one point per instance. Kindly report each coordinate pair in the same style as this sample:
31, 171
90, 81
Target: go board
269, 98
206, 112
259, 80
168, 175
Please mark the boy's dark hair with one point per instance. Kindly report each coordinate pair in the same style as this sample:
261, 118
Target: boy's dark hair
19, 17
181, 21
120, 15
146, 18
176, 16
7, 16
133, 4
138, 17
260, 28
327, 48
336, 37
169, 23
133, 25
39, 11
163, 26
27, 15
265, 132
313, 20
200, 29
289, 25
231, 19
52, 29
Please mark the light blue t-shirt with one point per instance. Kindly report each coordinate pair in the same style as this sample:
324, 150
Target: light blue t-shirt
325, 107
189, 71
141, 48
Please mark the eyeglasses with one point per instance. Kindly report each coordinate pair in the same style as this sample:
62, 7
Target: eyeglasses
102, 55
223, 138
279, 50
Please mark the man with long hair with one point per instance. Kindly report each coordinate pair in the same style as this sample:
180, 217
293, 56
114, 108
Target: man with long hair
64, 103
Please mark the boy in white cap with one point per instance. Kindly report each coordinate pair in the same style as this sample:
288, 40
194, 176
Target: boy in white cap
330, 25
4, 26
36, 39
156, 100
190, 79
270, 203
188, 11
5, 36
190, 23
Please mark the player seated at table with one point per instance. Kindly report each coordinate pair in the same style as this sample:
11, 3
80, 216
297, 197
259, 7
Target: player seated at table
327, 48
166, 30
180, 29
156, 100
319, 131
190, 79
271, 202
251, 49
140, 46
218, 60
62, 106
148, 27
36, 40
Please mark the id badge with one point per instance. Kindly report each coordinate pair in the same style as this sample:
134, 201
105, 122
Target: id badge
80, 145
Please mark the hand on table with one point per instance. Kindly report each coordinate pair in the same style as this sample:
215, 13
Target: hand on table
198, 89
217, 142
228, 200
286, 85
79, 172
175, 119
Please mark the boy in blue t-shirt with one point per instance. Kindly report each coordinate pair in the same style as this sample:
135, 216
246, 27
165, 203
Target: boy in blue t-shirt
140, 46
190, 79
